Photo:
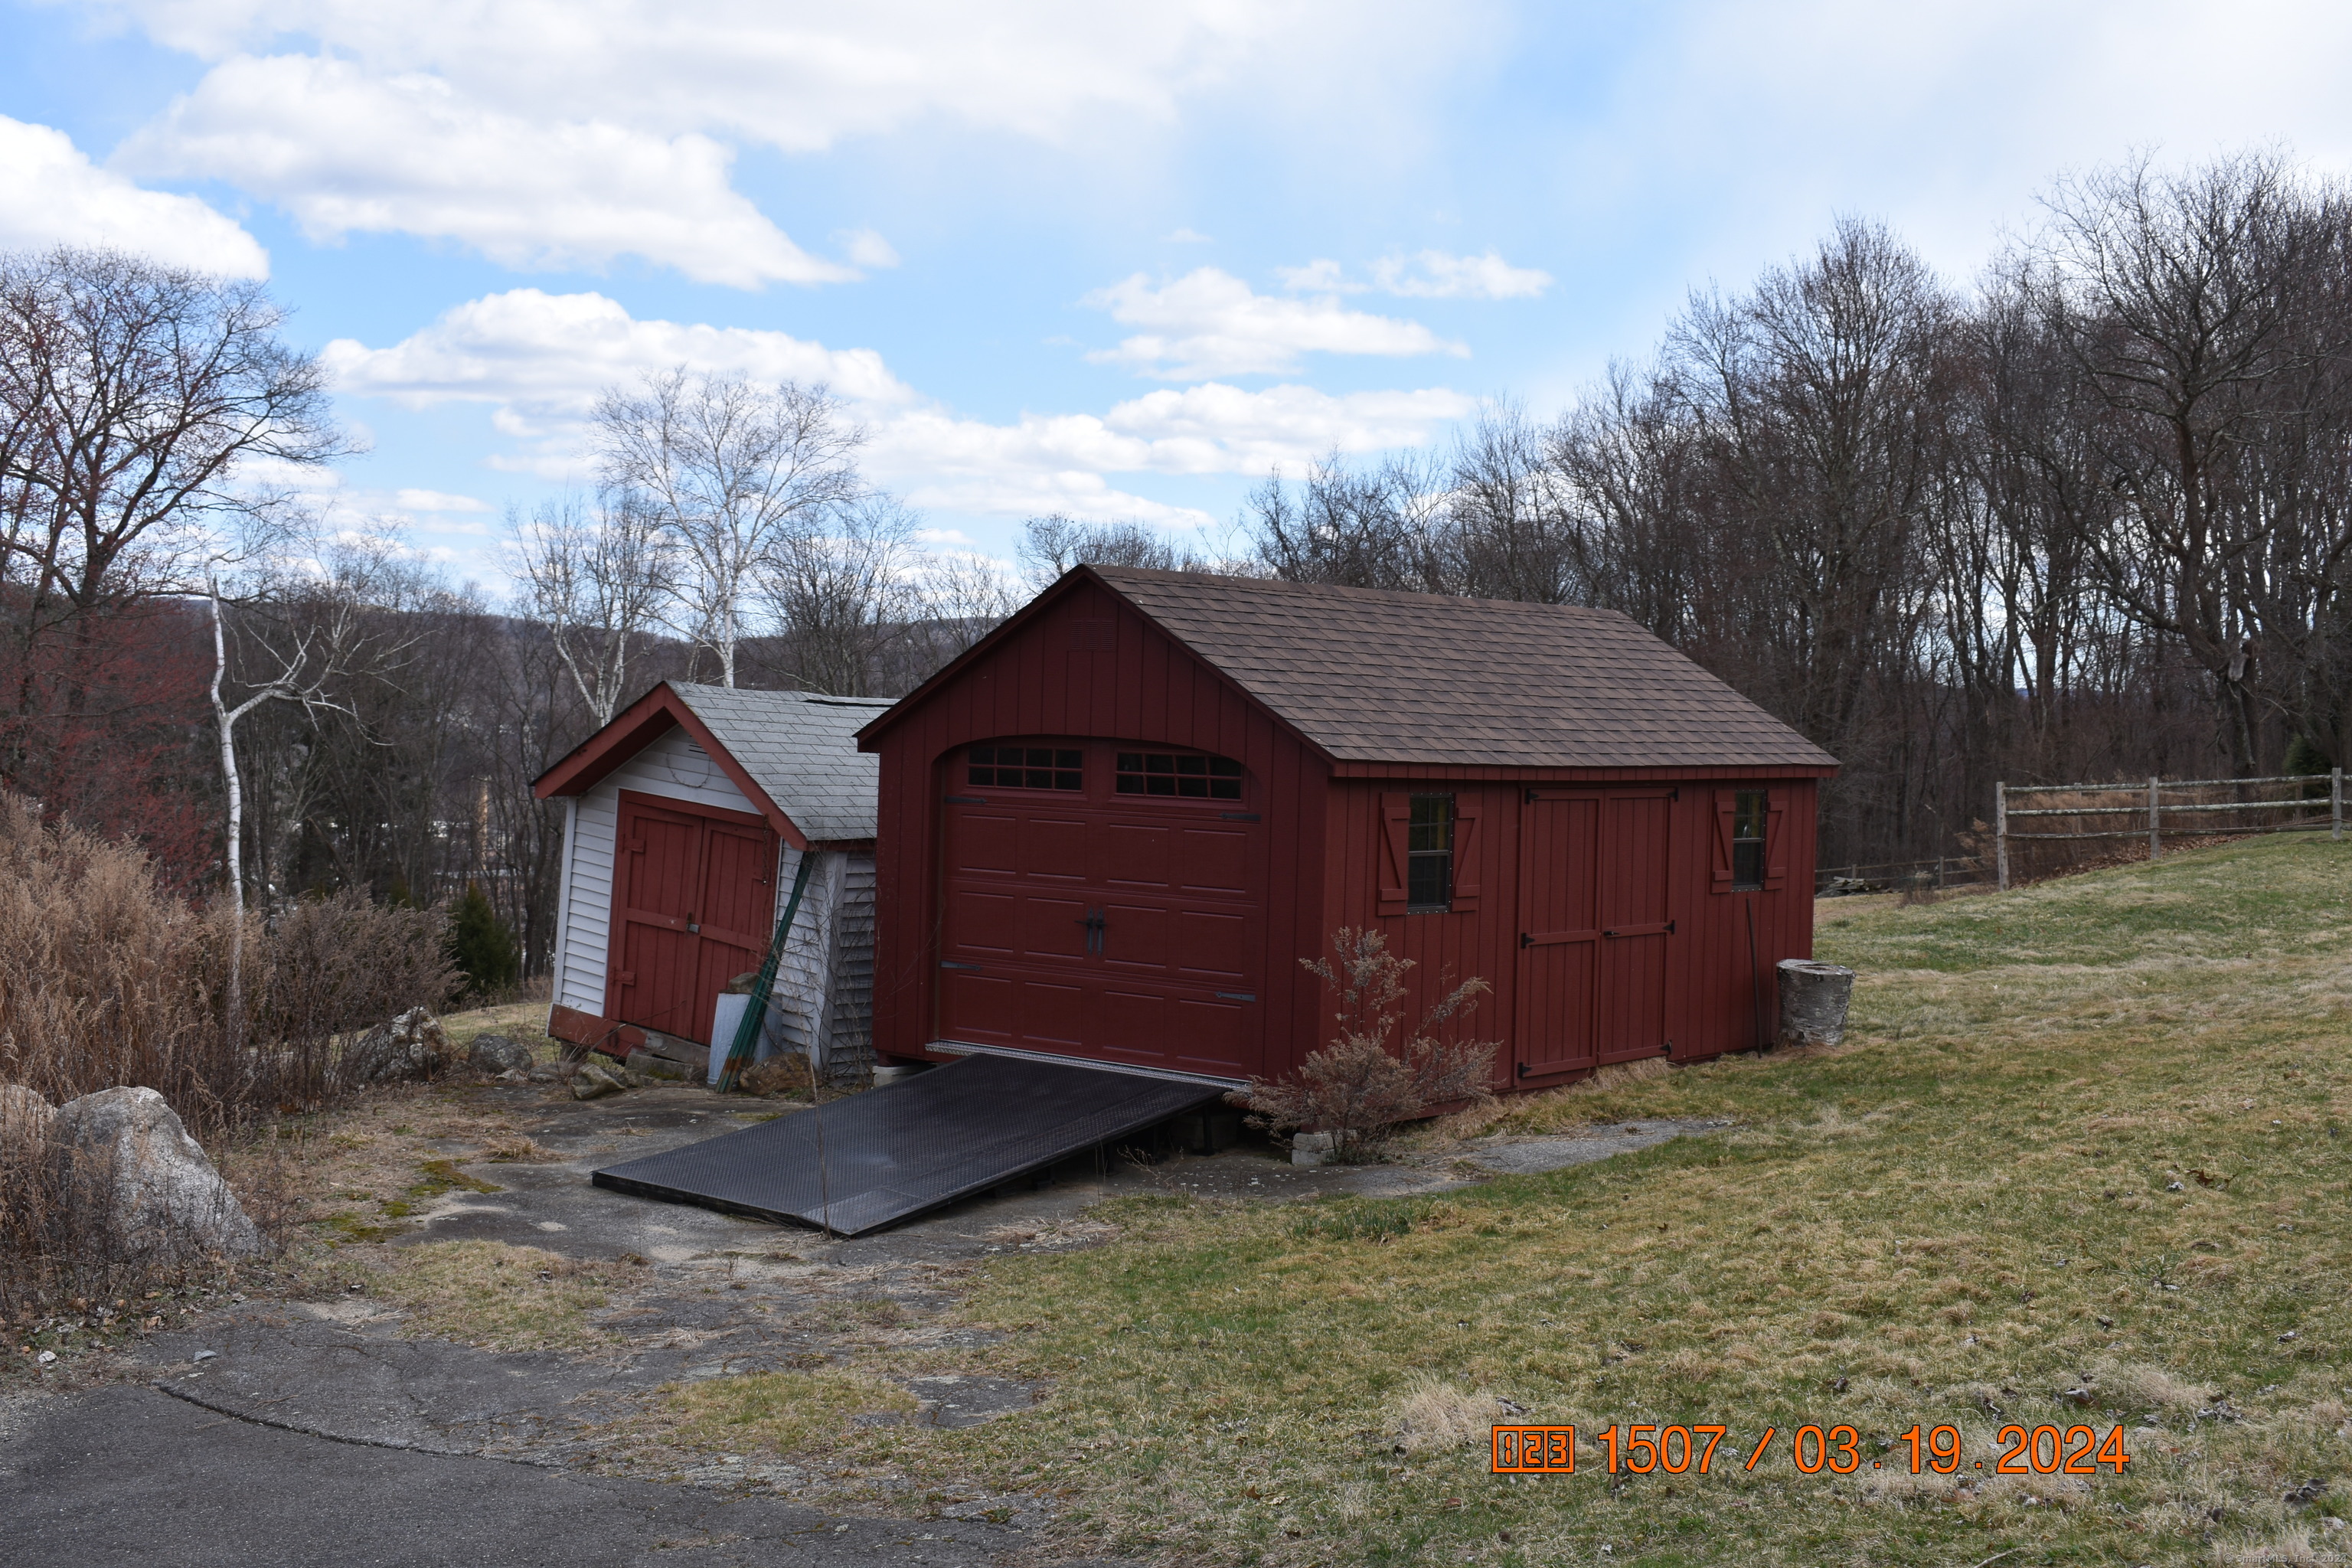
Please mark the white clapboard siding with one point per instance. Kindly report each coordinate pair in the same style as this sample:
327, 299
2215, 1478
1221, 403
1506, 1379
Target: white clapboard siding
673, 766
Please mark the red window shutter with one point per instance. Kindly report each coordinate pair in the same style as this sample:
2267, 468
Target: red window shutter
1465, 848
1396, 830
1726, 815
1776, 856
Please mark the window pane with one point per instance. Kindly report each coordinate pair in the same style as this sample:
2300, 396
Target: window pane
1161, 786
1747, 814
1130, 785
1427, 888
1131, 762
1065, 759
1224, 767
984, 776
1191, 764
1748, 863
1225, 789
1429, 872
1068, 780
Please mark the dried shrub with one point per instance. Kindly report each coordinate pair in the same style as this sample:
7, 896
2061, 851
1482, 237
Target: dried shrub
105, 979
108, 979
1357, 1088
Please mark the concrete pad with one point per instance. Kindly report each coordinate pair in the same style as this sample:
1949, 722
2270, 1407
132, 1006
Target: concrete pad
1531, 1156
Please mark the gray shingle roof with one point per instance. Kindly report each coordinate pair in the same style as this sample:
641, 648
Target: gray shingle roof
1379, 677
803, 750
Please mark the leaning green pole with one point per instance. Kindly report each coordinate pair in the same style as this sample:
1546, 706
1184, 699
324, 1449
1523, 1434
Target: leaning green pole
746, 1033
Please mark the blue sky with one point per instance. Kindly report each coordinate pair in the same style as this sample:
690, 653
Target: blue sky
1115, 261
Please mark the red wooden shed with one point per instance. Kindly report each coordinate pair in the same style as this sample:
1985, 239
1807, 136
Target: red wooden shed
1112, 829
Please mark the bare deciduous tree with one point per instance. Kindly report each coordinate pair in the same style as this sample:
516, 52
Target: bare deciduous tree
732, 470
599, 581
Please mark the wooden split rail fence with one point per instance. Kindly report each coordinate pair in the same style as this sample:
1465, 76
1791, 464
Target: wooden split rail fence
2148, 802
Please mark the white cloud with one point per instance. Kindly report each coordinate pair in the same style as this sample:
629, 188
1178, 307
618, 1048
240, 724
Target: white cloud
51, 193
546, 133
538, 360
1186, 237
1434, 275
1426, 275
435, 500
542, 358
800, 75
1057, 462
347, 153
1209, 323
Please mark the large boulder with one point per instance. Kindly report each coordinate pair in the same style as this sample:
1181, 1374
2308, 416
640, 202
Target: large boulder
494, 1054
129, 1151
412, 1047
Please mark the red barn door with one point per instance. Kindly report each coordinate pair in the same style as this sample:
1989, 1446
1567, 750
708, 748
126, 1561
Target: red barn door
1083, 922
1593, 924
1635, 924
694, 905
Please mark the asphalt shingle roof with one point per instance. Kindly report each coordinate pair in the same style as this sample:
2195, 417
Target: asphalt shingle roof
1379, 677
802, 748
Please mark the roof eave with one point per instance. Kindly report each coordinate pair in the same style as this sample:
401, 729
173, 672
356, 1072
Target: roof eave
638, 726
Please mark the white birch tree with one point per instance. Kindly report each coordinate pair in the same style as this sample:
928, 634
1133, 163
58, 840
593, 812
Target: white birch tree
731, 469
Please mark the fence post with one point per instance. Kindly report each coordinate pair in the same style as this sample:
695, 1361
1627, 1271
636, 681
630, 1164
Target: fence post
2000, 836
2155, 848
2335, 806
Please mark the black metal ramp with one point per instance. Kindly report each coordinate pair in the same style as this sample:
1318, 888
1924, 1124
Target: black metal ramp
890, 1154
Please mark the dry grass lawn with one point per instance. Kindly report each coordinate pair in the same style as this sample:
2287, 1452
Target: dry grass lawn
2082, 1159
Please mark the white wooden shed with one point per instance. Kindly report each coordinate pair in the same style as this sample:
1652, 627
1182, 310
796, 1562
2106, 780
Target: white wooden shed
687, 820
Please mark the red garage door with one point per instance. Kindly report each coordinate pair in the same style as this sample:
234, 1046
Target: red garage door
1105, 902
694, 903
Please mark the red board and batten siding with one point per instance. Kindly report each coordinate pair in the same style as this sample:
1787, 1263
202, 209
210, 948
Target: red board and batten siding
1595, 900
1708, 1005
1089, 668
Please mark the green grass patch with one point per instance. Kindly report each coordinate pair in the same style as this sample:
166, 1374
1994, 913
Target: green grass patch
2086, 1136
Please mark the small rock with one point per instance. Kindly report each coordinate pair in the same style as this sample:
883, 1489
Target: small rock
1307, 1158
596, 1078
2310, 1491
410, 1047
2288, 1336
164, 1195
205, 1355
2082, 1396
515, 1075
2175, 1187
497, 1054
45, 1358
545, 1073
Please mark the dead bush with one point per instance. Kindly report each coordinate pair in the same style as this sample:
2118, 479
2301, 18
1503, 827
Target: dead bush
108, 981
1357, 1088
105, 979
